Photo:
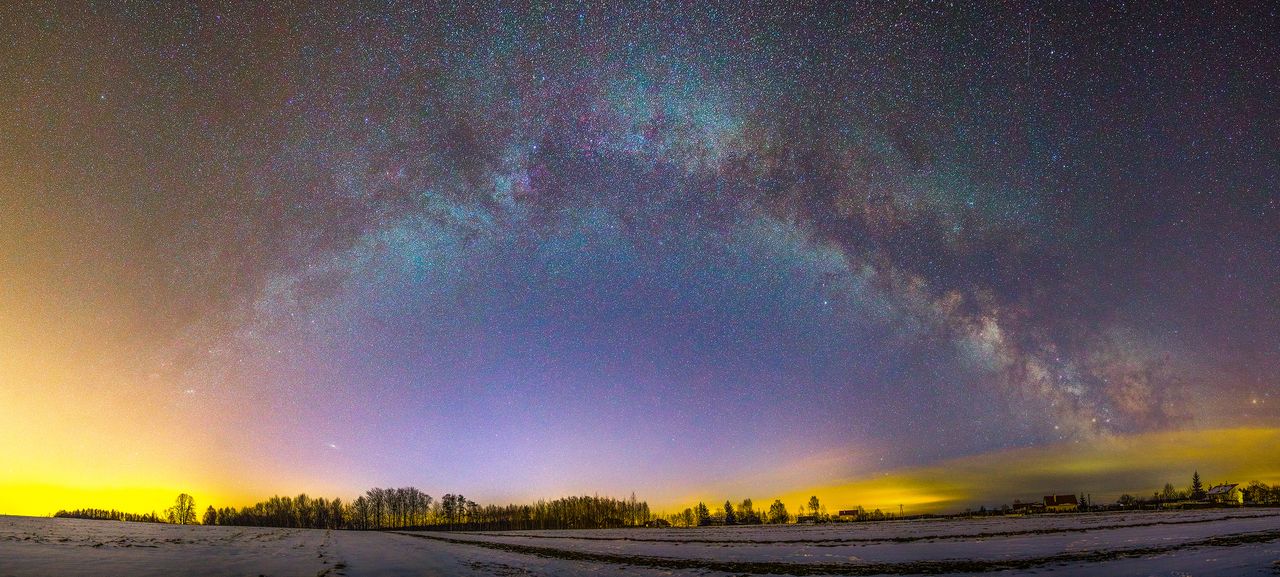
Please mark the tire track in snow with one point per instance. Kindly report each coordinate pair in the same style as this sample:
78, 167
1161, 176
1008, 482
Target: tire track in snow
338, 568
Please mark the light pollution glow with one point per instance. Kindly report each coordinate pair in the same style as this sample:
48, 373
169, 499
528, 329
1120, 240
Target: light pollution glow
1104, 468
701, 253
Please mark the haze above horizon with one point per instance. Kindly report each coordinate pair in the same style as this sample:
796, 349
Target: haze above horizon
723, 250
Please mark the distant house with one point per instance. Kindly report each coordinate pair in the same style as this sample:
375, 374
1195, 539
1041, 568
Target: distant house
1021, 508
657, 523
1228, 494
1061, 503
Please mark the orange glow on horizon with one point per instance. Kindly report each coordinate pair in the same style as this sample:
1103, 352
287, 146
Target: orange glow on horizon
1105, 467
104, 452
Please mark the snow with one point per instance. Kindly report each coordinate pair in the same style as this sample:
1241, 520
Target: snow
73, 547
939, 540
916, 527
1212, 542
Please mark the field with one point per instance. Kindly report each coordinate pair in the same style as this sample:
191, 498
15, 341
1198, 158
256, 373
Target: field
1215, 542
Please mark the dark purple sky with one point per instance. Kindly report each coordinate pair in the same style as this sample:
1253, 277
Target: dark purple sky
523, 250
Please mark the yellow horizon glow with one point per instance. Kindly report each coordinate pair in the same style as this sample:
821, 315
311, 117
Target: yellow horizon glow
1105, 467
38, 499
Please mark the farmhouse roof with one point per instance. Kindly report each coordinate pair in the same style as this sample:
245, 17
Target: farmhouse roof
1222, 489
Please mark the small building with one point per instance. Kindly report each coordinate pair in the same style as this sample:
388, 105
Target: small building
1020, 508
657, 523
1226, 494
1061, 503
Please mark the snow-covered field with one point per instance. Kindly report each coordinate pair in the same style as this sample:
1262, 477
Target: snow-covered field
1216, 542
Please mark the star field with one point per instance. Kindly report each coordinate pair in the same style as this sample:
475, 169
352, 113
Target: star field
526, 249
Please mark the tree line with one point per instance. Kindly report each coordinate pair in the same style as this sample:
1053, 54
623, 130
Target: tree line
411, 508
1261, 493
110, 515
745, 513
1256, 492
183, 512
397, 508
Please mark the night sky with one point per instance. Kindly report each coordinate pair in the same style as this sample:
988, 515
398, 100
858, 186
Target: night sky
692, 250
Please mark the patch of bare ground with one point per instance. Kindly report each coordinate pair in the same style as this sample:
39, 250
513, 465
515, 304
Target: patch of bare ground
499, 569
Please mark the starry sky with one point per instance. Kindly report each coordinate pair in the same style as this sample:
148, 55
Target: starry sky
690, 250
